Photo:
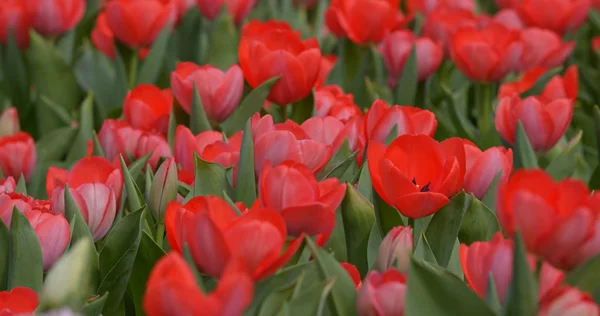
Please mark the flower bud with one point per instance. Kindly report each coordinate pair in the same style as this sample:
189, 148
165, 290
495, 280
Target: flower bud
395, 249
9, 122
163, 189
382, 294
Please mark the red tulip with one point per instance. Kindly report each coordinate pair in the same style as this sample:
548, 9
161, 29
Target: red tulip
305, 205
183, 6
17, 155
332, 101
9, 122
54, 17
118, 138
148, 108
124, 19
396, 48
9, 201
381, 119
14, 18
395, 250
102, 36
327, 63
559, 221
511, 4
18, 300
364, 21
510, 19
95, 185
544, 122
416, 174
569, 301
596, 44
484, 166
544, 48
53, 232
497, 48
216, 235
596, 4
560, 16
273, 49
172, 290
441, 25
239, 9
8, 185
219, 91
355, 134
353, 273
559, 87
210, 9
427, 6
382, 294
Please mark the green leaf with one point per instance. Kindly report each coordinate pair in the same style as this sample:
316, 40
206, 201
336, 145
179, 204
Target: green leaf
245, 190
388, 217
365, 186
373, 244
14, 69
479, 223
454, 265
342, 300
153, 64
4, 258
211, 178
98, 151
148, 254
541, 83
406, 90
464, 128
250, 105
24, 255
490, 197
336, 244
85, 132
423, 250
135, 199
307, 302
21, 185
198, 121
522, 296
444, 227
524, 155
223, 43
117, 259
172, 130
66, 46
565, 163
359, 216
303, 109
54, 145
61, 114
338, 169
95, 307
272, 304
68, 283
436, 292
586, 277
491, 294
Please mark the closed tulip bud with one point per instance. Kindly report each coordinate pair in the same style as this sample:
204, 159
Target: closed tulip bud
427, 6
163, 189
8, 185
123, 17
148, 108
19, 300
484, 166
9, 122
332, 101
560, 16
382, 294
307, 206
272, 49
102, 36
239, 9
381, 119
14, 18
364, 21
568, 301
17, 155
210, 9
327, 63
10, 201
395, 250
544, 122
53, 232
441, 25
55, 17
220, 92
416, 174
544, 48
396, 48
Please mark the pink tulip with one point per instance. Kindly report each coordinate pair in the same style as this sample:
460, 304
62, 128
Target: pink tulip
54, 17
8, 185
54, 234
396, 247
14, 18
484, 166
210, 9
9, 122
427, 6
569, 301
332, 101
17, 155
382, 294
544, 48
8, 201
509, 18
219, 91
381, 119
239, 9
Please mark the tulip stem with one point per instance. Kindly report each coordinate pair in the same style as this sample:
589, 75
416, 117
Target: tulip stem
160, 234
133, 69
484, 93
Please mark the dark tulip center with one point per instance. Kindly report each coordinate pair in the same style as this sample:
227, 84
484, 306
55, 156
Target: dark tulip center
425, 188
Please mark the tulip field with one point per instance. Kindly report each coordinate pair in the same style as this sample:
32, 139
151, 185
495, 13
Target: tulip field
300, 157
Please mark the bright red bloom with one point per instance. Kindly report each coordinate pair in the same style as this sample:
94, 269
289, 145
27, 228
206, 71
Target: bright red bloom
381, 119
427, 6
216, 235
172, 290
382, 294
273, 49
544, 121
364, 21
307, 206
487, 55
54, 17
396, 48
17, 155
416, 174
14, 16
9, 122
332, 101
560, 16
219, 91
558, 221
327, 63
544, 48
484, 166
395, 250
559, 87
568, 301
8, 185
124, 19
18, 300
95, 185
239, 9
353, 273
53, 232
103, 37
441, 25
148, 108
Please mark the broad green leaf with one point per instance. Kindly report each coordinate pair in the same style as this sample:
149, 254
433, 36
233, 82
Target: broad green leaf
359, 216
198, 120
365, 186
423, 250
153, 63
491, 294
66, 46
388, 217
223, 43
479, 223
21, 185
406, 89
303, 109
464, 128
245, 190
586, 277
135, 199
541, 83
337, 170
522, 296
490, 197
25, 265
211, 178
117, 259
373, 244
61, 114
250, 105
310, 299
85, 131
336, 244
454, 265
98, 151
54, 145
524, 155
95, 307
14, 68
565, 163
4, 252
148, 254
272, 304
